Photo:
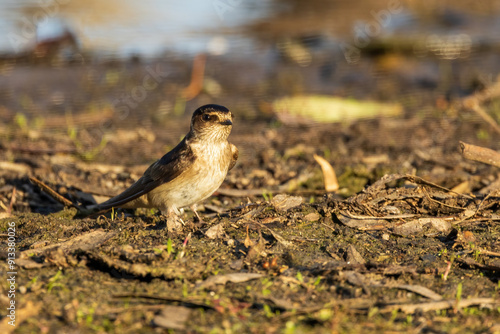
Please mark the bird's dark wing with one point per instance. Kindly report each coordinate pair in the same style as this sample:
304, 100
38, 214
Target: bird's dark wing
170, 166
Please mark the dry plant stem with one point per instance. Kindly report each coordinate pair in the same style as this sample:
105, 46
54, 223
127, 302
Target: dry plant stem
480, 154
473, 102
403, 216
52, 193
440, 305
12, 200
487, 252
473, 105
197, 77
484, 200
447, 271
438, 202
6, 209
328, 226
487, 94
419, 180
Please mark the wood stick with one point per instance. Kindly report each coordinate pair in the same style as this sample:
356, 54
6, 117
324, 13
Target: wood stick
480, 154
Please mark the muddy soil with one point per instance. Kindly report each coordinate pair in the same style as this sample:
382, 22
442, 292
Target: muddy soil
274, 251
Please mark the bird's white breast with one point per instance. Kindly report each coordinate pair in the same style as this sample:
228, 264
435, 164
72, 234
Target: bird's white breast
198, 182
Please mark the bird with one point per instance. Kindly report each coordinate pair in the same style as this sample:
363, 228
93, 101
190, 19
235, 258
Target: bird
189, 173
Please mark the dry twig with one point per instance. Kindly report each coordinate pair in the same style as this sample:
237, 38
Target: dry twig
480, 154
52, 193
473, 102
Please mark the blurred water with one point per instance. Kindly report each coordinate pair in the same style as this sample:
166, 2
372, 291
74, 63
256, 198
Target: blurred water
409, 51
128, 27
121, 28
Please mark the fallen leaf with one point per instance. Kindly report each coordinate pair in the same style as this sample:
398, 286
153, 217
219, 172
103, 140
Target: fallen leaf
353, 256
283, 202
329, 176
462, 188
312, 217
323, 108
215, 232
86, 241
29, 311
466, 214
355, 278
172, 317
233, 278
4, 215
277, 236
417, 226
257, 249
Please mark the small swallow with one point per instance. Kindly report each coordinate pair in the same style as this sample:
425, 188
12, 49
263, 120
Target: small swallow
189, 173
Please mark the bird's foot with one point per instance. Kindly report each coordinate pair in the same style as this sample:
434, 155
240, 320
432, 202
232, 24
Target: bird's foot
193, 208
174, 223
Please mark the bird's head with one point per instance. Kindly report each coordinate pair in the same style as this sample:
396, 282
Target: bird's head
211, 122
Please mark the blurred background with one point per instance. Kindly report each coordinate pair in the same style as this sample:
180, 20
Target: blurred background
117, 81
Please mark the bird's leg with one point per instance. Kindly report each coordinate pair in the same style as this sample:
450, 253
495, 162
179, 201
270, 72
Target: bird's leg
193, 207
174, 222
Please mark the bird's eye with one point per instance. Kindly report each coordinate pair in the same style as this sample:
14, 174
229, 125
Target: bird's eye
206, 117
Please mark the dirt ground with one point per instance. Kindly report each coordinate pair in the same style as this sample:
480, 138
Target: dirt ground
274, 251
409, 243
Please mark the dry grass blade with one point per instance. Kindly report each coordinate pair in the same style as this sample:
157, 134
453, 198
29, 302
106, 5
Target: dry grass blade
275, 235
440, 305
329, 176
419, 180
190, 302
474, 264
359, 217
12, 200
473, 102
8, 210
232, 277
421, 290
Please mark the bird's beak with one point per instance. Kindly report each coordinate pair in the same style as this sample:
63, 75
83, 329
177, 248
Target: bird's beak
226, 122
